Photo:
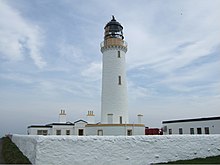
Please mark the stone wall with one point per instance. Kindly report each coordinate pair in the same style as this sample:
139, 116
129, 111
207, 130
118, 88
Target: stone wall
112, 150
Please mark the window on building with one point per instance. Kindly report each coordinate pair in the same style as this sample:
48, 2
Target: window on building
120, 119
129, 132
170, 131
100, 132
119, 54
58, 132
39, 132
192, 131
180, 131
119, 80
206, 130
67, 132
199, 130
44, 132
80, 132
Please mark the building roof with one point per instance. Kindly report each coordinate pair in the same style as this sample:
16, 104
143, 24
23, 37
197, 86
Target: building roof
39, 126
115, 125
192, 120
51, 125
80, 121
67, 123
114, 25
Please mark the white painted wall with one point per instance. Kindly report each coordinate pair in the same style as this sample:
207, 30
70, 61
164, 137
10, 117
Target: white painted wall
63, 129
33, 131
214, 127
114, 96
80, 125
115, 130
90, 130
112, 150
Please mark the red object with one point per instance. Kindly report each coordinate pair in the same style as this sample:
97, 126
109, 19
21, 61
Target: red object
152, 131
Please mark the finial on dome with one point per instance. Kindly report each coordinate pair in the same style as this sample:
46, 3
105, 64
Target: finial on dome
113, 18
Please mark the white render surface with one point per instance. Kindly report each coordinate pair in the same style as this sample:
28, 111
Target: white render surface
213, 125
112, 150
115, 130
33, 131
114, 96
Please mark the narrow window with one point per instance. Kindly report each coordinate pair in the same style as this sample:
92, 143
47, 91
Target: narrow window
199, 130
58, 132
67, 132
129, 132
100, 132
170, 131
119, 55
192, 131
206, 130
119, 80
120, 118
180, 131
80, 132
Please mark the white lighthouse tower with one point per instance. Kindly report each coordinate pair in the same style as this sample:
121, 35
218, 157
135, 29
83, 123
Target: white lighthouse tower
114, 103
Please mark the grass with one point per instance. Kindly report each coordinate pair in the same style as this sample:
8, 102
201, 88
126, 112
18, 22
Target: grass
11, 153
208, 160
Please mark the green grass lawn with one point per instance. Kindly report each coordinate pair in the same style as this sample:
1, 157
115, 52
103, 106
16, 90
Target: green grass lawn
11, 153
208, 160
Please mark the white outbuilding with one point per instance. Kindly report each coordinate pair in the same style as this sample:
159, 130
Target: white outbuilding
205, 125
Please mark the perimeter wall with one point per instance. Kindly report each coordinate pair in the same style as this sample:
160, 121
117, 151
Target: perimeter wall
112, 150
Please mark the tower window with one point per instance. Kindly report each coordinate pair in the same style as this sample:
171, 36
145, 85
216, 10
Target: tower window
120, 118
119, 54
119, 80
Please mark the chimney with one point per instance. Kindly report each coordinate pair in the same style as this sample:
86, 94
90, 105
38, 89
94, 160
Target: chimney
140, 118
62, 116
90, 117
110, 118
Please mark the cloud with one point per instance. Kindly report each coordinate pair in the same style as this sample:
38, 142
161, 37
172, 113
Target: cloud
93, 71
173, 45
19, 37
70, 53
16, 77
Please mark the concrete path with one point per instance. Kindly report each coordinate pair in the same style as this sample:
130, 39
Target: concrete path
1, 157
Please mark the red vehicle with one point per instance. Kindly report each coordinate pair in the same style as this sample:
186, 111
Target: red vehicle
153, 131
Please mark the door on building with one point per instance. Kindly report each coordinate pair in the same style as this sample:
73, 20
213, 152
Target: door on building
100, 132
129, 132
80, 132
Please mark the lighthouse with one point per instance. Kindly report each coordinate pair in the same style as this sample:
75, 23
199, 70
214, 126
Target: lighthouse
114, 100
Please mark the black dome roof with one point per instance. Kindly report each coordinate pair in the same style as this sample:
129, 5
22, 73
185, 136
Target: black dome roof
113, 25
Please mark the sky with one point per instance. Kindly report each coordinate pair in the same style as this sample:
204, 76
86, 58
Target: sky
50, 59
